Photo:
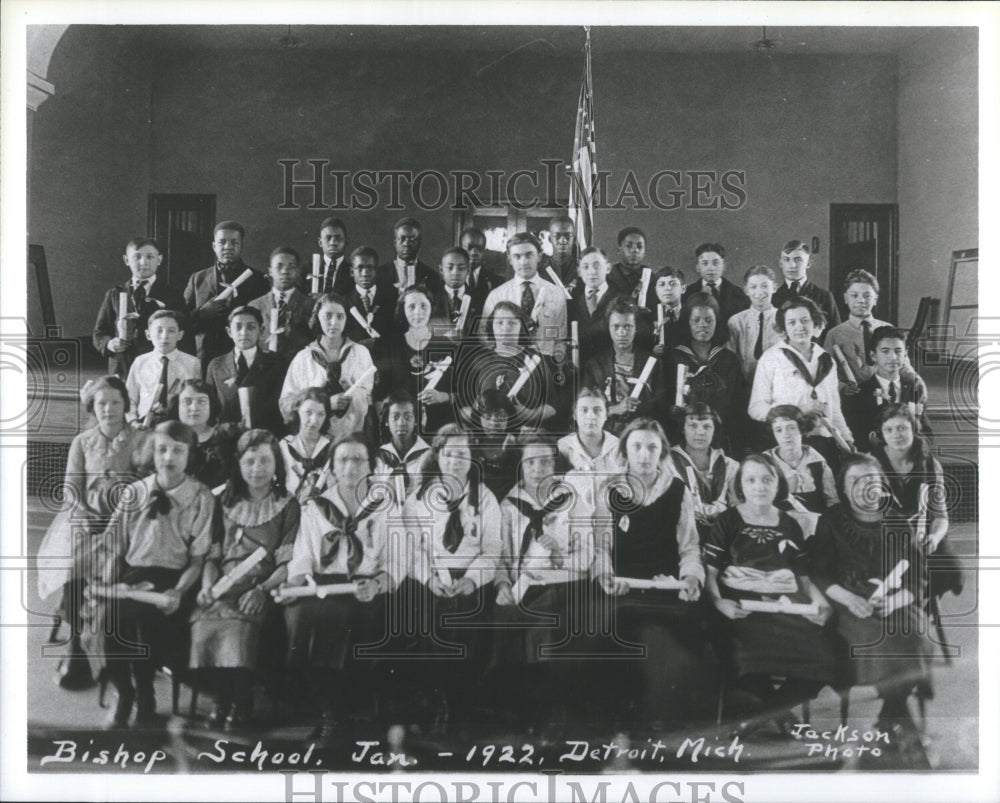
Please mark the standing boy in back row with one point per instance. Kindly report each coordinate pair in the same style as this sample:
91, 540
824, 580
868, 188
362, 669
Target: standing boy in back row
795, 262
710, 262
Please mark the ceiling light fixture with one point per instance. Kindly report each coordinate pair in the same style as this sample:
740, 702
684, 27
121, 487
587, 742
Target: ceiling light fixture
764, 45
288, 42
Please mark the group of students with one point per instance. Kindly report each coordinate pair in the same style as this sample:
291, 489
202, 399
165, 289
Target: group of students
438, 502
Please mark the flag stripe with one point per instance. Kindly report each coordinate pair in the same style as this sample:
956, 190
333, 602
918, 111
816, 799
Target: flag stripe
581, 190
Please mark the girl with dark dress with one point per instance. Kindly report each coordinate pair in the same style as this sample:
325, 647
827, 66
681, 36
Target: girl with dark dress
257, 513
544, 574
342, 539
714, 374
493, 442
411, 356
157, 540
645, 529
856, 547
197, 406
756, 552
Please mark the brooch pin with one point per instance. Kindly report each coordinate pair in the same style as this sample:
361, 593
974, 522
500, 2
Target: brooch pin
623, 523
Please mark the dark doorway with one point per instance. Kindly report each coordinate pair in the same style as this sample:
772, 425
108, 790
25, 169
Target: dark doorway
182, 225
866, 236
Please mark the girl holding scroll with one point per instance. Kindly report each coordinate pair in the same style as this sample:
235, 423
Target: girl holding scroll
712, 373
646, 537
872, 572
343, 368
260, 520
341, 568
756, 552
545, 573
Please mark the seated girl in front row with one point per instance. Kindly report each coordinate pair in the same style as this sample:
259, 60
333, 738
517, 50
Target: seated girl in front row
157, 539
756, 552
257, 514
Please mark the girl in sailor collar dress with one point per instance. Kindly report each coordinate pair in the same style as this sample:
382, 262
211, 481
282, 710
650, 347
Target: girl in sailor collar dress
756, 552
809, 477
455, 556
591, 447
343, 368
342, 540
306, 451
544, 575
644, 530
156, 541
260, 521
702, 466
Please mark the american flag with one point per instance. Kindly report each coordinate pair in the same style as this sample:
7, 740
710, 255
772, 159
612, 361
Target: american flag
581, 187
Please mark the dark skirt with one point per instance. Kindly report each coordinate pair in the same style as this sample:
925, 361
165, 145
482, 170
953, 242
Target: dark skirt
783, 645
451, 627
883, 652
223, 636
324, 633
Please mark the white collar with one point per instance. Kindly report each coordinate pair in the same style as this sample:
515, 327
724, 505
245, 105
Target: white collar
452, 291
856, 322
600, 290
884, 384
286, 293
250, 354
147, 283
170, 355
294, 440
418, 445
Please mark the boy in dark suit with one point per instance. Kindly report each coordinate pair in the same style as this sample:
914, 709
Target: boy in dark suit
710, 262
406, 268
481, 280
894, 382
207, 312
668, 284
796, 260
291, 305
562, 236
335, 267
146, 294
589, 308
375, 302
247, 366
447, 306
625, 276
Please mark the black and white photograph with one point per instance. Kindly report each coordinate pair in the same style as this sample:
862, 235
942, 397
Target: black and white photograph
429, 401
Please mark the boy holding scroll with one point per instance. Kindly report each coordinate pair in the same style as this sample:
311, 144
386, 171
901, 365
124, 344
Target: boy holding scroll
155, 376
120, 330
285, 309
454, 304
212, 293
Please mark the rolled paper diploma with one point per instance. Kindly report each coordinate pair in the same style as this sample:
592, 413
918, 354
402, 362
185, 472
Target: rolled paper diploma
838, 352
574, 334
780, 605
231, 290
272, 336
241, 570
647, 274
647, 371
313, 590
665, 583
439, 368
922, 494
400, 487
356, 314
558, 283
463, 312
842, 444
359, 383
444, 576
529, 366
122, 307
148, 421
693, 485
793, 500
659, 324
519, 588
316, 276
218, 489
244, 396
681, 377
891, 581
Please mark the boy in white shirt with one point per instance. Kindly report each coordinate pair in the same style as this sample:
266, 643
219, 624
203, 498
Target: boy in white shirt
155, 376
752, 332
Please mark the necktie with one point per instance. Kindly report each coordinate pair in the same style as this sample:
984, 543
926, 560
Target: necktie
892, 393
454, 305
671, 317
242, 369
365, 302
453, 532
866, 331
591, 299
758, 348
527, 299
713, 288
164, 379
331, 274
282, 305
795, 288
472, 281
139, 296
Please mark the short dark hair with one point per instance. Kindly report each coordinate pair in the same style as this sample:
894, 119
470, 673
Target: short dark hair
670, 272
406, 222
631, 230
800, 302
287, 250
399, 316
457, 251
253, 312
523, 338
795, 245
769, 463
229, 225
919, 452
333, 223
142, 242
860, 276
714, 248
593, 249
760, 270
166, 313
524, 238
318, 395
849, 461
620, 305
886, 333
472, 231
326, 298
110, 382
177, 431
363, 251
701, 299
699, 410
562, 220
789, 411
353, 437
198, 386
236, 488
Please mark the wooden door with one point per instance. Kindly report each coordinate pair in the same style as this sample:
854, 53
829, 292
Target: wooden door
182, 225
866, 236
